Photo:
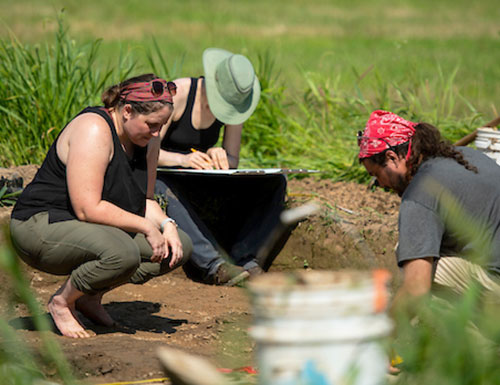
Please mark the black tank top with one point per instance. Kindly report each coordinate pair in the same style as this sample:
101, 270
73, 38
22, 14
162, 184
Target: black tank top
125, 182
181, 136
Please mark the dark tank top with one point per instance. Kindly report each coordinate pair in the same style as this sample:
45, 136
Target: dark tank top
125, 182
181, 136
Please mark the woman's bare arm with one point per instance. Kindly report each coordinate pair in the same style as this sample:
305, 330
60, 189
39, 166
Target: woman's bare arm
88, 152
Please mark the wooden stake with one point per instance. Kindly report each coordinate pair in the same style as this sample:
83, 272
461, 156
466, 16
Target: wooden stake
469, 138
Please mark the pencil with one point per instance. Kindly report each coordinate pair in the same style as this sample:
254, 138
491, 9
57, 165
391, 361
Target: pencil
209, 164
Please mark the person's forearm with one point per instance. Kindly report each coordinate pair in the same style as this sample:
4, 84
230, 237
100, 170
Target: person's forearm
417, 281
167, 158
398, 301
406, 306
106, 213
233, 161
154, 212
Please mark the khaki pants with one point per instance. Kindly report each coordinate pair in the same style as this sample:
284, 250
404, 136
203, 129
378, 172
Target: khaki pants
98, 257
455, 274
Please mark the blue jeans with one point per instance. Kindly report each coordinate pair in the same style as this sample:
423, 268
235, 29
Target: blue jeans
227, 219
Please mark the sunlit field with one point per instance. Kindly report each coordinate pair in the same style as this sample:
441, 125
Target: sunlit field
324, 66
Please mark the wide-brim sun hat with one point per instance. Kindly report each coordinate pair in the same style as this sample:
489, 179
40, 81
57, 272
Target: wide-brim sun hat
232, 88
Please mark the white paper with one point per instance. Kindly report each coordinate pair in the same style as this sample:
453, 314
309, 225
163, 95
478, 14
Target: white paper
239, 171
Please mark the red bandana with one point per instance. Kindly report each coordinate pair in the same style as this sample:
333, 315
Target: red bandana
383, 130
152, 91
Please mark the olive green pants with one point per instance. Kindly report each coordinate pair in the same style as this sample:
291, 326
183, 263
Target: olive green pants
98, 257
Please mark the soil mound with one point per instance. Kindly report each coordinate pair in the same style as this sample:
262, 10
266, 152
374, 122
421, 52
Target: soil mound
356, 229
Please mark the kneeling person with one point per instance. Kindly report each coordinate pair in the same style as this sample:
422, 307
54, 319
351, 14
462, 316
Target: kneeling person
433, 178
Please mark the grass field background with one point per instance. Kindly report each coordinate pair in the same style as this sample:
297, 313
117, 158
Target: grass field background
334, 38
333, 61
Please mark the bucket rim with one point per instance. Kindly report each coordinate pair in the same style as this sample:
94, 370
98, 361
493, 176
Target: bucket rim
311, 280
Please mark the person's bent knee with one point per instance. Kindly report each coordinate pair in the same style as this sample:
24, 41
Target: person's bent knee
122, 255
129, 266
131, 261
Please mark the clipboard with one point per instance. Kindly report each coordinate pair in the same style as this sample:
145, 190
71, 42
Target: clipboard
238, 171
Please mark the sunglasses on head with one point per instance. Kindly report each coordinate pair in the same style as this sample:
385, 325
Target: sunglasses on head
158, 88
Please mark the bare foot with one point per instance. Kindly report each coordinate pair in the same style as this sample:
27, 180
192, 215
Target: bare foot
66, 321
90, 306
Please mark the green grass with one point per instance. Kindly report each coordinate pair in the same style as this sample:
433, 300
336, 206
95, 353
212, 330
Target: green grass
323, 65
19, 363
323, 36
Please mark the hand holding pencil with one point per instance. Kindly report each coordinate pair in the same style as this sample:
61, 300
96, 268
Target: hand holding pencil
197, 160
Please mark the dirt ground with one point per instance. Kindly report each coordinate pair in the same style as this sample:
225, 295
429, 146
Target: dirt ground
356, 228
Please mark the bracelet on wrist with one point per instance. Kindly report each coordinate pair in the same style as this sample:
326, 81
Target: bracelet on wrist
165, 221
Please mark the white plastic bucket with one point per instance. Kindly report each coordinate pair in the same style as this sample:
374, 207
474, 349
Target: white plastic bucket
488, 141
320, 327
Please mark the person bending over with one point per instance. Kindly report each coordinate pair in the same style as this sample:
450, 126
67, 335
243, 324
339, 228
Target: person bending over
241, 211
89, 212
434, 180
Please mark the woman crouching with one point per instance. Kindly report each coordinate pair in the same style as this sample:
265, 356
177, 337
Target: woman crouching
90, 212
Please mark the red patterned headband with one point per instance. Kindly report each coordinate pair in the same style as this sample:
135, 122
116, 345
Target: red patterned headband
152, 91
384, 130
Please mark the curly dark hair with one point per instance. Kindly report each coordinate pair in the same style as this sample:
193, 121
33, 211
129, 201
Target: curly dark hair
111, 97
426, 143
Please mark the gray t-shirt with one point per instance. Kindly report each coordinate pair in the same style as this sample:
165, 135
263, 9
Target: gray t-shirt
441, 190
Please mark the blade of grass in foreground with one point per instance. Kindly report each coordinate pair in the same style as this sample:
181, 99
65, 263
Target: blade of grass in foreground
18, 361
